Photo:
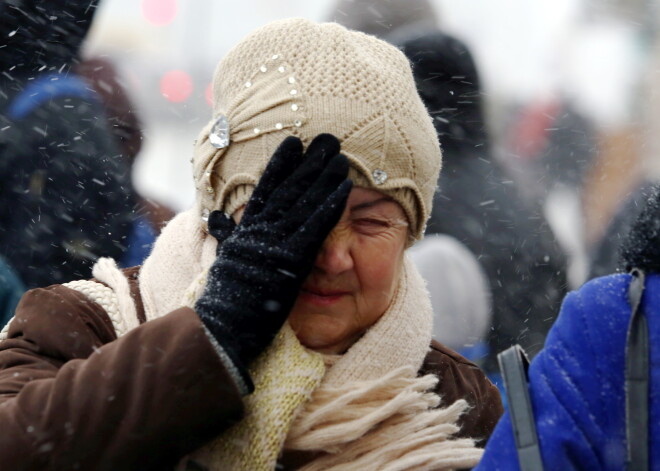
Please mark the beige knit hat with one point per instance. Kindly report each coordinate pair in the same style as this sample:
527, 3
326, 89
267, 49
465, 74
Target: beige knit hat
297, 77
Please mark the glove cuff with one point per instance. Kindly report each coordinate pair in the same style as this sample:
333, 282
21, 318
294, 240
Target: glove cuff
235, 367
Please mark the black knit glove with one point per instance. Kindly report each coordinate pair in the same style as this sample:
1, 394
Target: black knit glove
220, 226
257, 275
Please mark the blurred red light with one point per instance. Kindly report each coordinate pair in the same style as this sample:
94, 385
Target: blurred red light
208, 94
176, 86
159, 12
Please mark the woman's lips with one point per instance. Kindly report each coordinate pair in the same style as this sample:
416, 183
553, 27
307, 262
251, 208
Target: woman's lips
320, 297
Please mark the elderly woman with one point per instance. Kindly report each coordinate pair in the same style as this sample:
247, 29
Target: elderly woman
278, 322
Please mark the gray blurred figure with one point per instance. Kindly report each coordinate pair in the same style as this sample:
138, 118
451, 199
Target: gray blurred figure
391, 20
459, 290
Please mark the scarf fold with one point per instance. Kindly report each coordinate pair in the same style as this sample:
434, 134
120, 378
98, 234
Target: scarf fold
369, 410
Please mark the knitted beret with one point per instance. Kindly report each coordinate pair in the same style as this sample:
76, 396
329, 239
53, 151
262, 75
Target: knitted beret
297, 77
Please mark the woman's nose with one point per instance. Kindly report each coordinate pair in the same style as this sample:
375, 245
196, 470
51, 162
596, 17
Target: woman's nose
335, 254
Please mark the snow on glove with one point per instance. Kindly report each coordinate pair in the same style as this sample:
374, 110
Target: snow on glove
257, 275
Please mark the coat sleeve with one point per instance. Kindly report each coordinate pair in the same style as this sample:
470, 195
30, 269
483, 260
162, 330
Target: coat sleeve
462, 379
73, 396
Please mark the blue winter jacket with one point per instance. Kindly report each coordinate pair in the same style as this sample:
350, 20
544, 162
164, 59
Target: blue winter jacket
577, 383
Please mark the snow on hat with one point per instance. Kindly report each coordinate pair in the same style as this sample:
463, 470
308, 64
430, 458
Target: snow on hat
297, 77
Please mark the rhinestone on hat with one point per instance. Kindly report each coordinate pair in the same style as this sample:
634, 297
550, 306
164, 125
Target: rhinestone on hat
380, 176
219, 135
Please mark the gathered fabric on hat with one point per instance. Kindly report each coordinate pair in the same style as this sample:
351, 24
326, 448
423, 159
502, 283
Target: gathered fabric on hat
297, 77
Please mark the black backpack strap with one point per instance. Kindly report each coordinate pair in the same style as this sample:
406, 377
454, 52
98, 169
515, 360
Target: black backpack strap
637, 379
513, 365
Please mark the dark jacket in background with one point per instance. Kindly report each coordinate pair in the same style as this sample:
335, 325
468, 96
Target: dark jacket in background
65, 197
477, 204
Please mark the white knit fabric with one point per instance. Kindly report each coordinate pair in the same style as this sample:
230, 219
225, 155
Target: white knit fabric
181, 254
106, 270
5, 330
104, 297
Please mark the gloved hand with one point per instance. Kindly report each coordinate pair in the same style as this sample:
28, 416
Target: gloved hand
220, 226
257, 275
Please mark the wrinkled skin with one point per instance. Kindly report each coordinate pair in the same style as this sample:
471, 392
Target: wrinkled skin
355, 274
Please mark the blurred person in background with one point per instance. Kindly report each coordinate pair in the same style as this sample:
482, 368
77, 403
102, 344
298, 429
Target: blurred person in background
126, 127
480, 206
65, 193
459, 291
390, 20
278, 323
557, 146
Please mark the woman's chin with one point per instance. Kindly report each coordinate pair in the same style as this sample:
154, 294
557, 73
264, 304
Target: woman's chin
321, 341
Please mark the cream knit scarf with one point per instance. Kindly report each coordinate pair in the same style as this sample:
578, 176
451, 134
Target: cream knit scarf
367, 411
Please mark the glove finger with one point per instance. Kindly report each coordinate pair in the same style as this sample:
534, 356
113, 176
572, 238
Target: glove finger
220, 226
332, 176
319, 225
323, 148
282, 164
296, 185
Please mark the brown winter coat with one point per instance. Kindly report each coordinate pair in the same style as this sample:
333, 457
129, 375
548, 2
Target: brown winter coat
73, 396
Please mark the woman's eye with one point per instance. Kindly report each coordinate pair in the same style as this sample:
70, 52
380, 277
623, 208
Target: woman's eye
371, 225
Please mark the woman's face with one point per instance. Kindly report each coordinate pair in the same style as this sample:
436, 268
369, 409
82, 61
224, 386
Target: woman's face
355, 274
